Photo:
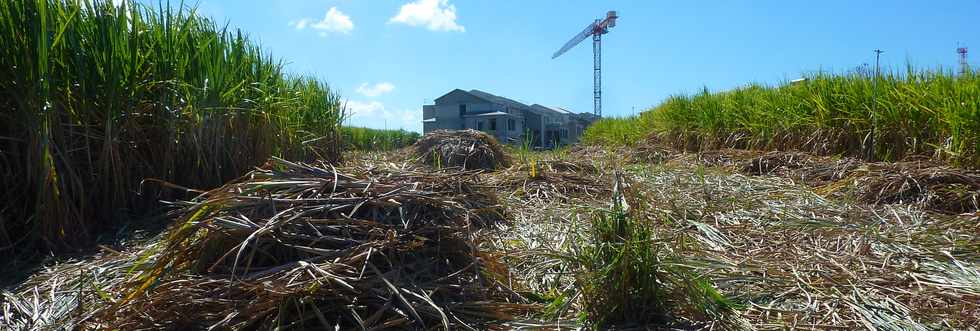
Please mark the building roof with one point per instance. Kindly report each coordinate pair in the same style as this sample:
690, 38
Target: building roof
498, 99
510, 103
496, 113
465, 92
561, 110
543, 109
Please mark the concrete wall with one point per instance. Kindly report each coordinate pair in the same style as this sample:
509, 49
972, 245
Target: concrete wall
575, 130
503, 132
447, 115
538, 123
517, 134
472, 123
572, 137
446, 112
533, 123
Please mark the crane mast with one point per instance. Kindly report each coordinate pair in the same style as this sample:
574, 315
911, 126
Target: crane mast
596, 29
964, 65
597, 74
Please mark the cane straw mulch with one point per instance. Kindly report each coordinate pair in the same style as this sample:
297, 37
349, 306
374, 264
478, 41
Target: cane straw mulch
61, 295
467, 149
552, 180
309, 247
934, 186
795, 259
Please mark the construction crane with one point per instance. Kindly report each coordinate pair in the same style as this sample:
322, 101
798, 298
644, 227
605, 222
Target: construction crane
964, 65
596, 30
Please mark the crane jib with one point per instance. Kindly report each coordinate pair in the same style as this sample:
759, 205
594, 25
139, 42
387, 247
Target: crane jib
589, 30
596, 30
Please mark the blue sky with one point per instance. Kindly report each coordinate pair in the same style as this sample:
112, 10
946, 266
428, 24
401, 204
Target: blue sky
388, 57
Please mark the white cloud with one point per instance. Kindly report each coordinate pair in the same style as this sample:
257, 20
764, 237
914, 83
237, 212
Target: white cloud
371, 91
373, 114
334, 21
435, 15
364, 108
300, 24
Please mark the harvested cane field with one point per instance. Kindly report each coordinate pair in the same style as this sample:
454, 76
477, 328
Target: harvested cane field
710, 212
580, 238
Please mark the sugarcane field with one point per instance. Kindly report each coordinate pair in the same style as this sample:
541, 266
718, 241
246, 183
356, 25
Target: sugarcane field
253, 165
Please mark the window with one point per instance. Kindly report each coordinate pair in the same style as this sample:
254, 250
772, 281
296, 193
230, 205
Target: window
493, 124
462, 110
479, 125
511, 125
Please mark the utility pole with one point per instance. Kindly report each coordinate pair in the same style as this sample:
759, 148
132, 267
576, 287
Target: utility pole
874, 105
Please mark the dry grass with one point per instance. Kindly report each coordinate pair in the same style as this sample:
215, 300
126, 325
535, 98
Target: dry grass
309, 247
60, 296
299, 246
791, 255
930, 185
552, 180
927, 184
799, 260
597, 266
466, 149
784, 238
549, 217
934, 187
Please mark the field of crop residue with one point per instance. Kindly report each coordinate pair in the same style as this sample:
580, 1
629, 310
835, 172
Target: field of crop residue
795, 258
783, 251
574, 238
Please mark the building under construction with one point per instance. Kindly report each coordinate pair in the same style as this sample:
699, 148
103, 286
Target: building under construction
507, 120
